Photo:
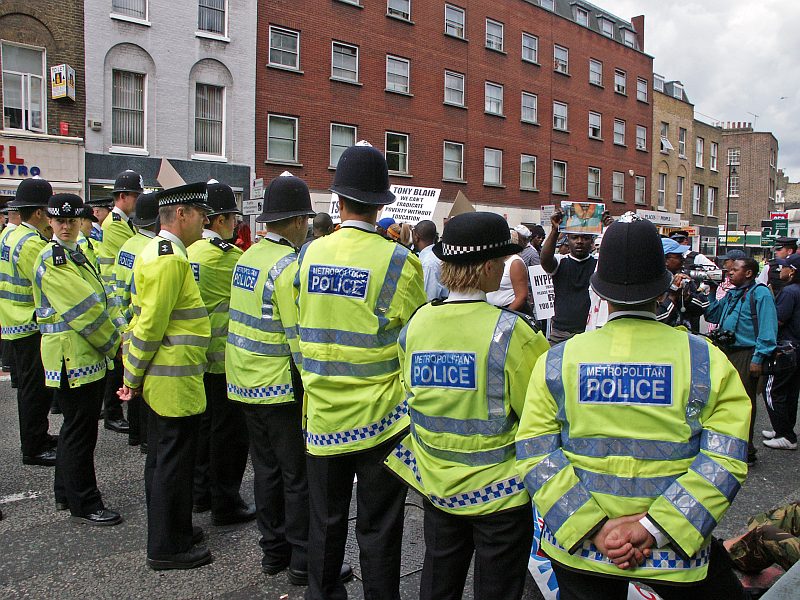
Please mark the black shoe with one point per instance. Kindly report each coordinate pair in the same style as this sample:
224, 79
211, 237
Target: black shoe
751, 459
242, 514
45, 459
201, 507
52, 441
298, 577
143, 448
196, 557
118, 425
61, 505
55, 409
197, 535
273, 568
134, 441
102, 518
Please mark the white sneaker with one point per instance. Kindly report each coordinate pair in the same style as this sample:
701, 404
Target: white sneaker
780, 443
768, 434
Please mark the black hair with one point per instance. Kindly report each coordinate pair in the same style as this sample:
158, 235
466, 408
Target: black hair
750, 264
26, 212
359, 208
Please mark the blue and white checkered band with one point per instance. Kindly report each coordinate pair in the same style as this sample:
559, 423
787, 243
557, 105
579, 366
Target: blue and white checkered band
452, 250
183, 198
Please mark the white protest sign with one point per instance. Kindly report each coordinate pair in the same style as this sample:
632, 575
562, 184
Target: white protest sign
413, 204
543, 294
547, 211
333, 210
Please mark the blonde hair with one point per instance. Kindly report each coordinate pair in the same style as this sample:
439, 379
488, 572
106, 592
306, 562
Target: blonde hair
462, 277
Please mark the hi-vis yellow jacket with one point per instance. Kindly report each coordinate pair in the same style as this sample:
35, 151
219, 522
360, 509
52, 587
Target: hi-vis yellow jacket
123, 271
634, 417
116, 231
356, 291
166, 341
466, 388
18, 253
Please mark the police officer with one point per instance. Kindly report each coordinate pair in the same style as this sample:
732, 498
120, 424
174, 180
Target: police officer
17, 261
12, 222
633, 441
783, 248
356, 291
164, 358
466, 388
85, 240
79, 338
221, 446
100, 207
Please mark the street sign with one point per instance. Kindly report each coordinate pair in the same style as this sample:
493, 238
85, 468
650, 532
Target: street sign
257, 190
252, 207
780, 227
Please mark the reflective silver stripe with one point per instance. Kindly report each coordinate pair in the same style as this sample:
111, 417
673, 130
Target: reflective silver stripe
726, 445
341, 337
110, 344
389, 287
474, 458
258, 347
291, 332
21, 281
641, 449
555, 385
700, 383
462, 426
143, 345
401, 339
691, 508
27, 298
105, 261
332, 368
566, 506
269, 285
545, 470
120, 322
298, 359
176, 371
95, 325
717, 475
40, 271
219, 331
222, 307
80, 308
53, 327
18, 248
200, 341
183, 314
266, 325
629, 487
138, 363
216, 356
496, 367
134, 380
137, 310
45, 311
542, 444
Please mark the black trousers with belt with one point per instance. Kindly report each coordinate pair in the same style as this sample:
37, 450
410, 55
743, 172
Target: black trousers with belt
780, 394
221, 449
380, 499
112, 405
75, 480
33, 397
501, 544
168, 472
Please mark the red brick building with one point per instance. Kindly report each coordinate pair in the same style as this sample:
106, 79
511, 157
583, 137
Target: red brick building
517, 103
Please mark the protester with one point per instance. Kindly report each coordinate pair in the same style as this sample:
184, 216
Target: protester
424, 237
683, 304
528, 254
243, 237
383, 225
321, 225
772, 537
513, 290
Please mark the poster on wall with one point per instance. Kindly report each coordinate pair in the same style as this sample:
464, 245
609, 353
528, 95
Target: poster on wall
62, 82
412, 205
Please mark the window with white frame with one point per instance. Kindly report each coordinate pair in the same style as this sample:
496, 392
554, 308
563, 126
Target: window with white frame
560, 116
666, 145
130, 8
211, 16
713, 156
595, 72
734, 156
24, 88
733, 186
594, 182
527, 172
677, 90
492, 166
530, 108
397, 74
399, 8
493, 98
453, 162
606, 26
282, 138
772, 157
581, 16
629, 38
494, 35
454, 21
619, 132
658, 82
712, 201
128, 109
618, 186
561, 59
641, 186
559, 178
662, 190
641, 89
344, 61
697, 198
530, 48
682, 142
699, 147
342, 137
397, 152
641, 137
595, 125
284, 48
679, 194
620, 81
548, 4
453, 88
209, 119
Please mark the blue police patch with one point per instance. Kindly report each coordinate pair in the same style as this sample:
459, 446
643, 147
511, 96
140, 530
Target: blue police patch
625, 383
338, 281
126, 259
443, 370
244, 277
4, 253
196, 271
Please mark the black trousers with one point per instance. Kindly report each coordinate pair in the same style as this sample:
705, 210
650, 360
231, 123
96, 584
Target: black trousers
720, 584
75, 480
221, 449
380, 498
9, 361
502, 546
112, 405
740, 359
277, 449
780, 395
137, 420
168, 471
33, 397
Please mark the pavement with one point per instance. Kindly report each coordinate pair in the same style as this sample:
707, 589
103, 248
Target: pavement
44, 555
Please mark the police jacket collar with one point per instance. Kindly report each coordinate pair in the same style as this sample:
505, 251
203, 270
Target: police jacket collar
120, 212
633, 314
210, 234
363, 225
466, 296
68, 245
173, 238
147, 233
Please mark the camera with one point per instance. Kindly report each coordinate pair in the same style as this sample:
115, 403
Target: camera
703, 273
722, 338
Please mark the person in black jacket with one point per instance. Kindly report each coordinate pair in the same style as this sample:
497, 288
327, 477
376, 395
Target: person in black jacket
684, 303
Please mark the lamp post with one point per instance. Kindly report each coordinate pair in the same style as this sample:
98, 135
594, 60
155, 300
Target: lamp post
744, 227
732, 172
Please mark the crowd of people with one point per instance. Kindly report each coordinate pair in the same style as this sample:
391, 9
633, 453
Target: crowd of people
380, 353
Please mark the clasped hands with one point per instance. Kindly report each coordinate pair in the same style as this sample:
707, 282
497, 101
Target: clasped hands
624, 541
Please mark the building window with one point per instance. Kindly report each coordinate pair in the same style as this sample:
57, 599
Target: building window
128, 109
453, 167
211, 16
209, 116
594, 182
733, 220
712, 200
24, 89
453, 88
641, 89
397, 152
561, 59
342, 137
641, 185
492, 166
397, 74
662, 190
399, 8
658, 82
679, 194
548, 4
698, 152
282, 138
527, 172
666, 145
284, 48
734, 155
618, 186
595, 72
581, 16
697, 196
629, 38
530, 108
620, 82
454, 21
641, 137
494, 98
595, 126
606, 26
619, 132
682, 142
733, 186
130, 8
677, 90
494, 35
559, 177
344, 61
530, 48
560, 116
772, 157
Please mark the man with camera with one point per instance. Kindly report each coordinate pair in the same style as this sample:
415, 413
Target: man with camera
748, 326
684, 303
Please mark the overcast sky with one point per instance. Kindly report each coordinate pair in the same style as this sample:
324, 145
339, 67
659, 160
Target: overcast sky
735, 57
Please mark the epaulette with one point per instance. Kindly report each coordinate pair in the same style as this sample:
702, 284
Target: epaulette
221, 244
116, 216
59, 255
165, 248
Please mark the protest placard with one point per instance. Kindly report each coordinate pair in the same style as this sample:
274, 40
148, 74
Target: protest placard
543, 293
582, 217
413, 204
333, 211
547, 211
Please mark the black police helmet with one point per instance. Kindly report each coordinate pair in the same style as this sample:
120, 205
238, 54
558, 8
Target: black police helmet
362, 175
286, 196
475, 237
65, 206
33, 192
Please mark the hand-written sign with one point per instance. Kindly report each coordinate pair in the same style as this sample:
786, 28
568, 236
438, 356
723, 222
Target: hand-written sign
413, 204
543, 293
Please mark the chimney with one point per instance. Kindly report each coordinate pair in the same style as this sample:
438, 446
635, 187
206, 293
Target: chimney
638, 25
